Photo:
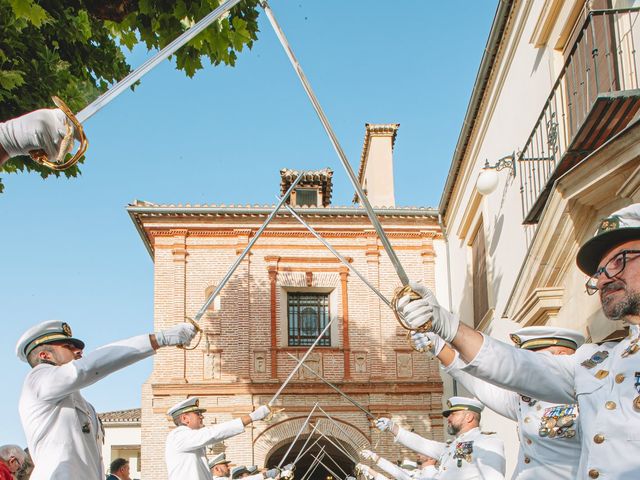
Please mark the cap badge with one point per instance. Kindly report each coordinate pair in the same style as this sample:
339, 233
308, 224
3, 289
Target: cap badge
609, 223
516, 339
66, 329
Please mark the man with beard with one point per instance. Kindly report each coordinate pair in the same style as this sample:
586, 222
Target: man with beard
549, 433
604, 379
472, 455
219, 467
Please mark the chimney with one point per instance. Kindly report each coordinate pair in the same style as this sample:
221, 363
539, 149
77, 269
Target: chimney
376, 164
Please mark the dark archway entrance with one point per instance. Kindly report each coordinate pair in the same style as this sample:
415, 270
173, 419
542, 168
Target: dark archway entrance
333, 464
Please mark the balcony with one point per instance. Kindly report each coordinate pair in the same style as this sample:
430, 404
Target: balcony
595, 96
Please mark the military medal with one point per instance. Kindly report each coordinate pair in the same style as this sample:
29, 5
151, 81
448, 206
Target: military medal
555, 421
631, 349
636, 401
463, 452
595, 359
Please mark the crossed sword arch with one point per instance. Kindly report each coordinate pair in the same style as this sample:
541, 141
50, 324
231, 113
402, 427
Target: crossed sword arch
62, 162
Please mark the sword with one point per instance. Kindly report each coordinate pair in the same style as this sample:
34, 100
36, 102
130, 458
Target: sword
327, 468
304, 425
303, 450
233, 267
344, 395
297, 367
78, 119
335, 424
342, 449
313, 466
395, 261
355, 272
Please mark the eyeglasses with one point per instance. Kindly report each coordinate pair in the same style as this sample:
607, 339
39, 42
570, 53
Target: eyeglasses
612, 268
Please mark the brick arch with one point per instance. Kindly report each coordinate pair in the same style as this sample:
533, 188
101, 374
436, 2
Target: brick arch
271, 439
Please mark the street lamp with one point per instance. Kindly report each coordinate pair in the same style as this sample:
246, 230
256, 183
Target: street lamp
488, 178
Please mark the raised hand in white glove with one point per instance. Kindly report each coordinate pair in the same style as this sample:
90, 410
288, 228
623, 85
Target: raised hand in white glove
383, 424
260, 413
286, 473
364, 470
418, 312
369, 455
180, 334
428, 341
41, 129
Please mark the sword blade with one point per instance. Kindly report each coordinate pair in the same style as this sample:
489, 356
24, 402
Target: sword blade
344, 395
233, 267
153, 62
328, 469
304, 450
342, 449
304, 425
395, 261
312, 467
297, 367
335, 424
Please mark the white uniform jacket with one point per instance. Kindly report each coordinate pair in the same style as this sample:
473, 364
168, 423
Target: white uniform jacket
393, 469
473, 455
603, 379
62, 429
185, 450
220, 478
426, 473
549, 432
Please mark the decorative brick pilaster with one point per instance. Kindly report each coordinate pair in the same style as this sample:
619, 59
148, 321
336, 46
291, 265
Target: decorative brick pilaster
179, 256
344, 275
273, 278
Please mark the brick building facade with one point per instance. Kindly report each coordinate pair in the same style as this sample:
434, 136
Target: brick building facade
288, 281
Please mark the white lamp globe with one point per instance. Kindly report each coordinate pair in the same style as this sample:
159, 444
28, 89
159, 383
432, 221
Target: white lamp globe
487, 181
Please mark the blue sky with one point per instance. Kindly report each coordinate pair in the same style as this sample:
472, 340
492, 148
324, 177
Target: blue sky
69, 250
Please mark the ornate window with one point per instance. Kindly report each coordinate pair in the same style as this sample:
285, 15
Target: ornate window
308, 314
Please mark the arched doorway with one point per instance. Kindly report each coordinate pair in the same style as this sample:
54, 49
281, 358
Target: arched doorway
338, 441
319, 461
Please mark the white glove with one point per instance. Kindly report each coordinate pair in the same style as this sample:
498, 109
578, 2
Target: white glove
383, 424
418, 312
273, 473
428, 341
260, 413
286, 473
369, 455
364, 470
41, 129
180, 334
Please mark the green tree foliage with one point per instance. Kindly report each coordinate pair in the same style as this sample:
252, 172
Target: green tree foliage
74, 49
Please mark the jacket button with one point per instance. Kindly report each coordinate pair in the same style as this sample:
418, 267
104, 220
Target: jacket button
593, 473
529, 442
527, 460
610, 405
598, 438
619, 378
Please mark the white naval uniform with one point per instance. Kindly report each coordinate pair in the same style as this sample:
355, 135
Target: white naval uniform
220, 478
55, 416
603, 387
556, 456
486, 452
426, 473
394, 470
185, 449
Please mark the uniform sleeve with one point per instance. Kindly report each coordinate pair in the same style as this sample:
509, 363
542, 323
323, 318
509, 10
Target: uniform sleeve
538, 375
188, 440
501, 401
257, 476
54, 383
419, 444
392, 469
490, 459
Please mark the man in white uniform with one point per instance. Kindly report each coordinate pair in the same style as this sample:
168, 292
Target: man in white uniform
185, 448
62, 429
369, 473
428, 466
472, 455
399, 472
604, 379
219, 467
549, 433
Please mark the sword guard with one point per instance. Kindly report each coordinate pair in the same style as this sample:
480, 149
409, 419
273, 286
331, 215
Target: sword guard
397, 295
198, 331
59, 163
272, 413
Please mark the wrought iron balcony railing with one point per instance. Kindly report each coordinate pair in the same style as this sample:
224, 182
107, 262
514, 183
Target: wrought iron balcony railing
595, 96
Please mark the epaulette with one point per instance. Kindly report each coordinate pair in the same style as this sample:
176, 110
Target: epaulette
488, 433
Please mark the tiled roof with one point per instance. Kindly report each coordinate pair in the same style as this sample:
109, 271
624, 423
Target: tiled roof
321, 178
121, 416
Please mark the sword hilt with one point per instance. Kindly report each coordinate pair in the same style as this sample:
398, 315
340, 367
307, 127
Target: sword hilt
66, 145
198, 331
